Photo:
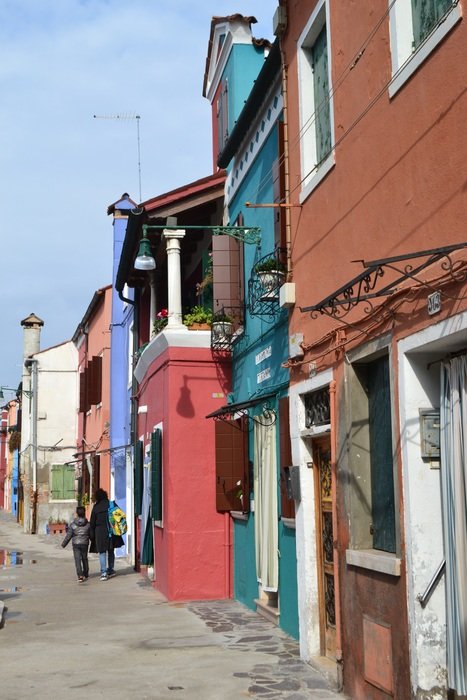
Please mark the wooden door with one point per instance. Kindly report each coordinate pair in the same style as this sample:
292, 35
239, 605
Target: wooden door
325, 544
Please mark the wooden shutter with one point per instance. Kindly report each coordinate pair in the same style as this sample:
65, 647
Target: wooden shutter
382, 468
138, 477
69, 490
94, 380
57, 482
83, 403
232, 473
156, 474
285, 452
321, 95
278, 173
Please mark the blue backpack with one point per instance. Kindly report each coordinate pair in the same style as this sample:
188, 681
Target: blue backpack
117, 519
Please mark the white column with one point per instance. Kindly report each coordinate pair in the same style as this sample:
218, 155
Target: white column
174, 278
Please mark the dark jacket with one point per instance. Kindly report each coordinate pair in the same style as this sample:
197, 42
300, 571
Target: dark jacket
78, 532
102, 538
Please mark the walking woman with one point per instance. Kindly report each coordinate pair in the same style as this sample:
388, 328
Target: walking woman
102, 540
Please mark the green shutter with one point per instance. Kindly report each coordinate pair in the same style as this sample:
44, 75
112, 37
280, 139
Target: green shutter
156, 474
382, 468
69, 490
321, 95
425, 16
57, 482
63, 482
138, 477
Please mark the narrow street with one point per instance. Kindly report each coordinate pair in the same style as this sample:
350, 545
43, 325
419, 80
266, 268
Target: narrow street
120, 638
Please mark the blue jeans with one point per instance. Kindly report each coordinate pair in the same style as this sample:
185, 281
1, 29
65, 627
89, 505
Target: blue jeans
107, 558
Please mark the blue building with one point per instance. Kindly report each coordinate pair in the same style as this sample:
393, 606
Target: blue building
121, 357
253, 448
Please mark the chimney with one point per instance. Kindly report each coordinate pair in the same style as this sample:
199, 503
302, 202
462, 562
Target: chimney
32, 335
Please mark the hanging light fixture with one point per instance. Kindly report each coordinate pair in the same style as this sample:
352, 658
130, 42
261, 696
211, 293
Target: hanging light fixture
144, 259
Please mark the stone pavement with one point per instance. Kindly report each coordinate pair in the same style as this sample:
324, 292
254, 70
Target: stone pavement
120, 638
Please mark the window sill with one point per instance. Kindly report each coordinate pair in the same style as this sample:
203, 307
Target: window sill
415, 61
288, 522
374, 560
238, 515
312, 183
315, 430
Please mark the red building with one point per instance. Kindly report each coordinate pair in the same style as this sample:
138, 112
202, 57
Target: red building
182, 541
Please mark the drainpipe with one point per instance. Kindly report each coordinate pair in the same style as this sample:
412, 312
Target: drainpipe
288, 235
152, 303
332, 401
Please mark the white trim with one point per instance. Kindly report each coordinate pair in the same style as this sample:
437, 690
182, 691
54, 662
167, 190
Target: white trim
311, 174
405, 61
254, 140
307, 577
236, 32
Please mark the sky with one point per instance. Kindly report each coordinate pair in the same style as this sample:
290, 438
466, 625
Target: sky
61, 63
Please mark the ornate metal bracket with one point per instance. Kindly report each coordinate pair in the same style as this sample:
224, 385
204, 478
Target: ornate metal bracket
267, 417
363, 288
246, 234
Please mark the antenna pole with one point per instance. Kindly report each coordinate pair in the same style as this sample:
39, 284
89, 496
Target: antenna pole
128, 117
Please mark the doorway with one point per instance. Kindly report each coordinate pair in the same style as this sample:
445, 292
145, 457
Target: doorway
325, 544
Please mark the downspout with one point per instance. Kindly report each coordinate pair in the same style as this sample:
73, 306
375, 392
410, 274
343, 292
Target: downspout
332, 402
288, 236
127, 301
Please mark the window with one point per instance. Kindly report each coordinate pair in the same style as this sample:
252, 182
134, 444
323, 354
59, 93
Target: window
90, 384
156, 475
417, 27
63, 482
232, 468
223, 116
371, 467
316, 117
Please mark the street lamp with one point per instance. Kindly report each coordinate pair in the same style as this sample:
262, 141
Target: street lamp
144, 259
7, 388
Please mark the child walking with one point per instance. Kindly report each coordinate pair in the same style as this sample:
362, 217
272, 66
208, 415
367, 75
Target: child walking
78, 533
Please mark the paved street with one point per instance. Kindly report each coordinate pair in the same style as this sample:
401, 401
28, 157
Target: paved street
120, 638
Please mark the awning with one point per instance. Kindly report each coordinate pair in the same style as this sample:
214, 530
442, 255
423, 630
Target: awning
232, 408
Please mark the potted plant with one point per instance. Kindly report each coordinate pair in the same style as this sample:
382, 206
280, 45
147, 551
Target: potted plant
57, 526
222, 327
161, 321
198, 318
271, 273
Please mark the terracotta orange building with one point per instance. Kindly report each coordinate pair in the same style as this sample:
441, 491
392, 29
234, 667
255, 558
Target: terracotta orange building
376, 152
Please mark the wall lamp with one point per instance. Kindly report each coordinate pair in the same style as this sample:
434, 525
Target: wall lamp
14, 391
7, 388
145, 260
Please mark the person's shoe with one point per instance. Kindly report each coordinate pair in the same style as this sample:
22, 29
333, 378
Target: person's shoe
80, 579
103, 577
111, 573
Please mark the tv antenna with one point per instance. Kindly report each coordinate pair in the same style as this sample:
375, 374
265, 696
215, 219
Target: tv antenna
124, 118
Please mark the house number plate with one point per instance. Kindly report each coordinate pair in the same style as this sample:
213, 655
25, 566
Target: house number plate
434, 303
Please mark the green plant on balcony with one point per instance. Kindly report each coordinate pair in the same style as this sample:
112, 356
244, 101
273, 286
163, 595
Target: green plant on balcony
271, 264
221, 317
198, 316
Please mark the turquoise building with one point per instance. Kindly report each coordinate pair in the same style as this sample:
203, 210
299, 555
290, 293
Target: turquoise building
252, 433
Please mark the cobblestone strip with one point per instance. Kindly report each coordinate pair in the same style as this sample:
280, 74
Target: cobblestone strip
287, 677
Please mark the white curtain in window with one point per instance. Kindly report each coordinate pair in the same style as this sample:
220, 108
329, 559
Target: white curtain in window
454, 498
265, 492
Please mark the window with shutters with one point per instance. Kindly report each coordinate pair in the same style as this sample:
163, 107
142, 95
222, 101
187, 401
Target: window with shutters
156, 475
90, 384
371, 466
232, 467
416, 29
63, 482
316, 116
